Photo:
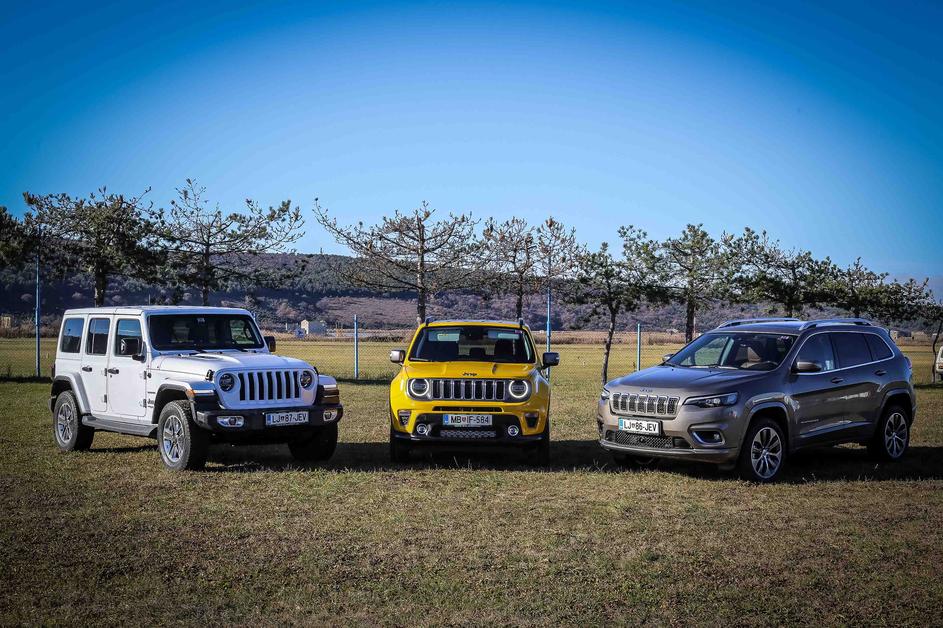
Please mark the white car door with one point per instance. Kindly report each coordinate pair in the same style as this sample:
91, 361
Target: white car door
95, 363
126, 386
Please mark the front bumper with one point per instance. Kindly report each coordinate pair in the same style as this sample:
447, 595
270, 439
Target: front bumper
683, 436
495, 434
254, 427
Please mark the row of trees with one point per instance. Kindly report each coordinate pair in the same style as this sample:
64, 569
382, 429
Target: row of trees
194, 243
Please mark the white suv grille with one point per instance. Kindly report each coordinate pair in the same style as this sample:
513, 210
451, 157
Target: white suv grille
269, 385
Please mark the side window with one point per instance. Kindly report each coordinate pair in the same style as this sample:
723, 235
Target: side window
818, 348
72, 335
96, 341
127, 329
852, 349
879, 348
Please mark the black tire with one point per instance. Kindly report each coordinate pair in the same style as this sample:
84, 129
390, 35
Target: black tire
539, 455
67, 428
762, 461
630, 461
399, 449
317, 446
181, 443
892, 436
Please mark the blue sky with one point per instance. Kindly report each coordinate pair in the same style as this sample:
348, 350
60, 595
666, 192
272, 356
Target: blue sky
821, 124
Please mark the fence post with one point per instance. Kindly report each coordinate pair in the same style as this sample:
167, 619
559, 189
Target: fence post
356, 349
38, 306
638, 346
548, 324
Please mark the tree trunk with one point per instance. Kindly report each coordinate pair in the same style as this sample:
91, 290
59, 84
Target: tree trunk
421, 306
689, 323
520, 300
101, 286
421, 290
605, 358
205, 288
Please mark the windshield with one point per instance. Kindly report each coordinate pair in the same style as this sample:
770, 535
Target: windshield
747, 351
472, 343
170, 332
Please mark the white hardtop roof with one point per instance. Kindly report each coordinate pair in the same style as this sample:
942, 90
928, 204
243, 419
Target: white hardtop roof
136, 310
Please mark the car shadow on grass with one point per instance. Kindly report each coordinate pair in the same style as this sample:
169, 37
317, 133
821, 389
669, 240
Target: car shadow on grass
827, 464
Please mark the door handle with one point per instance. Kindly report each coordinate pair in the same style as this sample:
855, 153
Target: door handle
838, 380
113, 371
880, 372
87, 369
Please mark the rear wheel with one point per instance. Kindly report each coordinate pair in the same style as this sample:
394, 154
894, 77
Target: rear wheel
70, 433
183, 446
763, 453
892, 436
316, 447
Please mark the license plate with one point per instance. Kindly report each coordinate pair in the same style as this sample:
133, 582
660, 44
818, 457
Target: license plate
467, 420
640, 426
286, 418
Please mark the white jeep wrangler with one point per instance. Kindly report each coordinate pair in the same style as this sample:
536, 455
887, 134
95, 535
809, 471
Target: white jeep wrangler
187, 376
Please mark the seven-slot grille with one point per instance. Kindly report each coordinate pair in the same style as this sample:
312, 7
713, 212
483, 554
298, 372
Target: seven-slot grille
631, 403
469, 389
280, 385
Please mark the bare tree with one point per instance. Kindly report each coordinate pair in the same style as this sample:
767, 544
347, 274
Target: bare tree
614, 286
210, 249
512, 252
698, 270
409, 251
558, 254
105, 235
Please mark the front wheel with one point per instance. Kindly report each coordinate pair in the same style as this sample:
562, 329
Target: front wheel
763, 453
183, 446
70, 433
892, 436
316, 447
539, 456
399, 449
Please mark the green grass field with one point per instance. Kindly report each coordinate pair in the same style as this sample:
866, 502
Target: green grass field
109, 536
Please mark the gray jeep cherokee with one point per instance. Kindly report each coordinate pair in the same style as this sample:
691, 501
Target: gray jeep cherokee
751, 392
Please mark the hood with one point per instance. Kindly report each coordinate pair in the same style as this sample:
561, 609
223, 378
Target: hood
200, 363
688, 381
483, 370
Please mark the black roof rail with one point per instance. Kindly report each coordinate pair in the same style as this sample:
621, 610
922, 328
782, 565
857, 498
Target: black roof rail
520, 322
429, 319
746, 321
838, 321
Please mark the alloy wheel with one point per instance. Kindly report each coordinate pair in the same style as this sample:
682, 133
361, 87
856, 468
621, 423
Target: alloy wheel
895, 435
766, 452
65, 423
172, 439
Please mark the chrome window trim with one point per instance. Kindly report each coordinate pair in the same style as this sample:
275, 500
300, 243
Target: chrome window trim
844, 368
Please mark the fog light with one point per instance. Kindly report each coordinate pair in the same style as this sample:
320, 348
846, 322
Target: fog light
709, 437
330, 414
403, 417
230, 421
422, 429
513, 430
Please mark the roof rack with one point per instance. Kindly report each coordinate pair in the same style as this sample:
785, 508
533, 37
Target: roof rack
429, 319
520, 322
746, 321
838, 321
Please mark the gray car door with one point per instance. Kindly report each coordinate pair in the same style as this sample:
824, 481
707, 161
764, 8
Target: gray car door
860, 385
816, 396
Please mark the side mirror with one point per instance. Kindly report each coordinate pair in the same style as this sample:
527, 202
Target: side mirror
667, 357
130, 347
551, 358
270, 343
806, 366
397, 356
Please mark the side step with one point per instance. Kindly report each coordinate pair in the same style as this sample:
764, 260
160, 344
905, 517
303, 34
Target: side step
107, 425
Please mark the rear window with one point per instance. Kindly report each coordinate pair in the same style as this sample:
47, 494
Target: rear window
879, 348
852, 349
72, 335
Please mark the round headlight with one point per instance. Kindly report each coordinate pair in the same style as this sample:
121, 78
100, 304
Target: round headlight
519, 388
226, 382
306, 379
418, 387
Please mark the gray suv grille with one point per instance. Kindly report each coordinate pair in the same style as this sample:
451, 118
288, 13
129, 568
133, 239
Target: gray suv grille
469, 389
631, 403
269, 385
638, 440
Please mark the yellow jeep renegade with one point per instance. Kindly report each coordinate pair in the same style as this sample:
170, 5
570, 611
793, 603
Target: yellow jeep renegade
478, 382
